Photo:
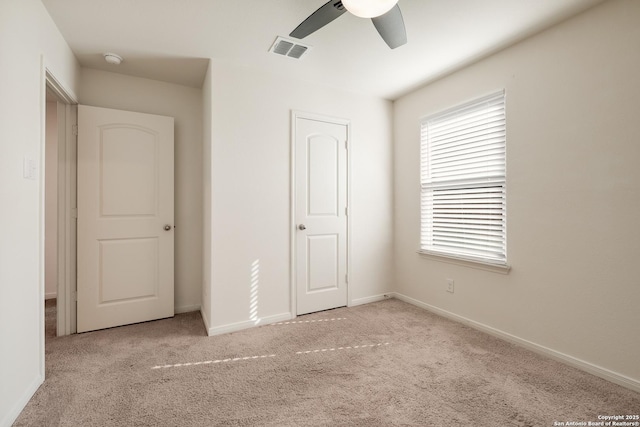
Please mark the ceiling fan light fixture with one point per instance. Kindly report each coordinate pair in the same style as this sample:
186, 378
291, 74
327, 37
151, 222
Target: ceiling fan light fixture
369, 8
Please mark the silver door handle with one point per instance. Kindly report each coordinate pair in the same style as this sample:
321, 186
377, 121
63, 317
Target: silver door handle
302, 227
167, 227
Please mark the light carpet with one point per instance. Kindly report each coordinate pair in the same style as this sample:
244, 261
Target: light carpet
381, 364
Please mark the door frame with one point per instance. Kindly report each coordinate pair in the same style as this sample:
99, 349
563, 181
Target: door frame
67, 207
295, 115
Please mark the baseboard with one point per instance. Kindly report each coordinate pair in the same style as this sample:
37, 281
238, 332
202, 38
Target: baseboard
233, 327
596, 370
186, 309
17, 408
51, 295
367, 300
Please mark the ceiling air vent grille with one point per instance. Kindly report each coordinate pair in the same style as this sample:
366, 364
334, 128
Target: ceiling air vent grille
289, 48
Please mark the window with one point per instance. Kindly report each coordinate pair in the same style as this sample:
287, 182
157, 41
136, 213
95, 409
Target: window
463, 182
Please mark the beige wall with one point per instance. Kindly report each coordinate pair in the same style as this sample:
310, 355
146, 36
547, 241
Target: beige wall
250, 190
573, 183
28, 37
111, 90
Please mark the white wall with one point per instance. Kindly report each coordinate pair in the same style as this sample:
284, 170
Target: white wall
118, 91
51, 201
27, 34
250, 190
573, 200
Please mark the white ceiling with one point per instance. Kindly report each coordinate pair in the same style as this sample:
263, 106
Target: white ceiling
169, 40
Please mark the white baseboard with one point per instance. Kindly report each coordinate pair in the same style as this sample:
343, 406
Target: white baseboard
186, 309
367, 300
13, 413
51, 295
596, 370
233, 327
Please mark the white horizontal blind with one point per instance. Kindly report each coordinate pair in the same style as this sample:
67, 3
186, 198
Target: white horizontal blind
463, 181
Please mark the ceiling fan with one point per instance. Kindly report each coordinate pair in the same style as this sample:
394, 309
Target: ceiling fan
385, 15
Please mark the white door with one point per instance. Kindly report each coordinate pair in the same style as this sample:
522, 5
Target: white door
125, 217
320, 214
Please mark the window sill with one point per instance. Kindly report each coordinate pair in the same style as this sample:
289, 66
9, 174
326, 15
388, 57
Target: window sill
495, 268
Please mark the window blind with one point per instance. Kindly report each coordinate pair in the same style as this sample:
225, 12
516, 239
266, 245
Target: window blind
463, 181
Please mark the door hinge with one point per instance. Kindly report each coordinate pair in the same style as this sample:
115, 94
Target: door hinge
346, 144
346, 278
346, 211
74, 130
74, 213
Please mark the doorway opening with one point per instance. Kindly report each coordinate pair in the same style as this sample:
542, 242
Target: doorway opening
59, 209
50, 213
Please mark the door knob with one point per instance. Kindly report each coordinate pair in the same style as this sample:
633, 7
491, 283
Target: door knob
167, 227
302, 227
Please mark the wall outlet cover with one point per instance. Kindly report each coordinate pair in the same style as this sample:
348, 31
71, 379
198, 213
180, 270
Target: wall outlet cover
450, 285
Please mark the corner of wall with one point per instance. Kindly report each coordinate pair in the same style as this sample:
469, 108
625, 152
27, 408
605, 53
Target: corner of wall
207, 101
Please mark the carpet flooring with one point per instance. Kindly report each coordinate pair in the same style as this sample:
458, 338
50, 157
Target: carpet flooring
381, 364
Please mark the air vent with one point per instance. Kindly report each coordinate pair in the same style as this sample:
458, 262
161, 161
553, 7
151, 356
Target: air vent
289, 48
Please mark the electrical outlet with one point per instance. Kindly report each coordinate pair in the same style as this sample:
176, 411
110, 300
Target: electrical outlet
450, 285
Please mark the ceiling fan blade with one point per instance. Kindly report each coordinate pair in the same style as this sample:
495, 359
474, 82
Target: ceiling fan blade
318, 19
391, 27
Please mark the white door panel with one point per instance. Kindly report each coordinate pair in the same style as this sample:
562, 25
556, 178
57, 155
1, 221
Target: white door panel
125, 199
128, 163
323, 262
321, 202
322, 173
